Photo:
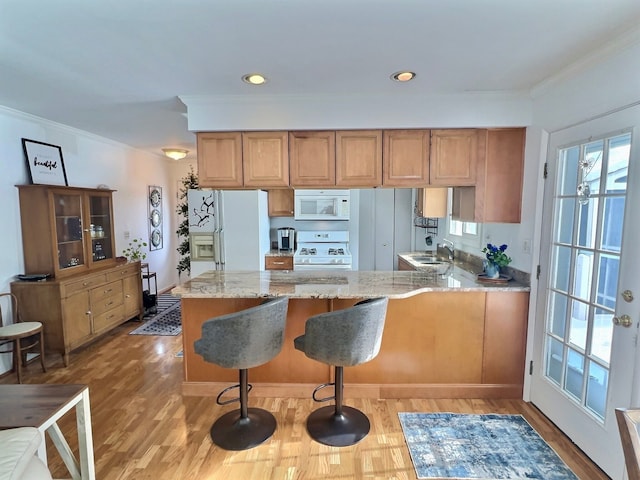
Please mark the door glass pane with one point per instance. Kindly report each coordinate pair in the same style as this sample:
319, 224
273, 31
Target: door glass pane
592, 165
583, 271
602, 335
587, 216
558, 314
597, 384
68, 213
612, 223
554, 360
100, 228
561, 267
619, 152
574, 374
578, 324
568, 171
564, 220
608, 269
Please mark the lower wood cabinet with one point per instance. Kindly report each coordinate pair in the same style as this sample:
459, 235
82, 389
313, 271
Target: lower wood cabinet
76, 310
278, 262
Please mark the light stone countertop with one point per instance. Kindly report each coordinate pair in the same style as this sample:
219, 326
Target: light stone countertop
336, 284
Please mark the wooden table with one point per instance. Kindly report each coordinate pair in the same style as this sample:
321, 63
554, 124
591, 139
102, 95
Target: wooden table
41, 406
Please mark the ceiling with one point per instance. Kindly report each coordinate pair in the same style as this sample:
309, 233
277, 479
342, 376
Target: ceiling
116, 69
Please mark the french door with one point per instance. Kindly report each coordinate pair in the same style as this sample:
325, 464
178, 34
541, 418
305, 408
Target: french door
587, 317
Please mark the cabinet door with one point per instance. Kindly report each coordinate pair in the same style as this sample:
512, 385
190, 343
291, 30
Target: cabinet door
100, 239
132, 290
359, 158
220, 159
68, 213
454, 155
405, 158
265, 159
76, 314
501, 181
312, 159
432, 202
280, 202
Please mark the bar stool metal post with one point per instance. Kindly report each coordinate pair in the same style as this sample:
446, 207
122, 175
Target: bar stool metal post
243, 340
342, 338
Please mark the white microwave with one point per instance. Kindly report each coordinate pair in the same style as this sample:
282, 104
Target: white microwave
322, 204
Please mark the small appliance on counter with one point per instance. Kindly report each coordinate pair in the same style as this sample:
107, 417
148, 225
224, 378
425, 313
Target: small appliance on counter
286, 238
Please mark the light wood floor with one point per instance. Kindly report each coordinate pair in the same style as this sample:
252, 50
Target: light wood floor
143, 428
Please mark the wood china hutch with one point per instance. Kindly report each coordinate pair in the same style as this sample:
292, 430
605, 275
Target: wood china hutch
68, 238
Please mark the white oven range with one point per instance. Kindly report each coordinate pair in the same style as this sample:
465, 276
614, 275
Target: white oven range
322, 250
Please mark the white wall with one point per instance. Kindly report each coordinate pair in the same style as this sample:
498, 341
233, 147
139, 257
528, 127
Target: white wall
89, 161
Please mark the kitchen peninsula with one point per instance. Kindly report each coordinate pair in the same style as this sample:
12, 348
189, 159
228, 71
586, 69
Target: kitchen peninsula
446, 335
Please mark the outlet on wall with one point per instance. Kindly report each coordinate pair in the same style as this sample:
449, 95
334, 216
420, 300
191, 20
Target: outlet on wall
526, 246
127, 235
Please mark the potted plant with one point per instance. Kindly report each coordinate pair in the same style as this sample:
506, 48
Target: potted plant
495, 259
135, 250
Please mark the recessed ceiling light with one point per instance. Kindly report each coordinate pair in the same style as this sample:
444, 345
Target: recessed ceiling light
403, 76
254, 78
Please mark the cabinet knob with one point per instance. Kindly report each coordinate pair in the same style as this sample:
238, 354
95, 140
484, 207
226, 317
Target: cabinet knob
88, 312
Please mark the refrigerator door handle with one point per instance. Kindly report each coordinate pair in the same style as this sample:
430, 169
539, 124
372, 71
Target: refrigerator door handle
221, 248
216, 247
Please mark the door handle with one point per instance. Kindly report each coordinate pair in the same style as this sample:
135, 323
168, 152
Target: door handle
623, 320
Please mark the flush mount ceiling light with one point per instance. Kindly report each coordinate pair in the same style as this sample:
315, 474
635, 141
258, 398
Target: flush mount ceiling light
254, 78
175, 153
403, 76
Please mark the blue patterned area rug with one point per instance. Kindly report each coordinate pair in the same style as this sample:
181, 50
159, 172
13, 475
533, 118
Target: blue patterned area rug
167, 321
450, 445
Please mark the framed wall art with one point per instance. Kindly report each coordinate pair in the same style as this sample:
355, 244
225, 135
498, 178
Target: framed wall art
44, 162
155, 217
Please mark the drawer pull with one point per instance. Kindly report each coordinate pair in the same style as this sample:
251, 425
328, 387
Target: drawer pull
278, 263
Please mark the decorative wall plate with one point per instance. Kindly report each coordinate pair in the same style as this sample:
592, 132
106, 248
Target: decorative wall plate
155, 197
156, 238
156, 217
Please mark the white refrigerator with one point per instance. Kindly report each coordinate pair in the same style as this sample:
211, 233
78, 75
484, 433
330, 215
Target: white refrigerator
228, 230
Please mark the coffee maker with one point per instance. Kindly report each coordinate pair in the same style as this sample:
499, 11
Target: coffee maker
286, 237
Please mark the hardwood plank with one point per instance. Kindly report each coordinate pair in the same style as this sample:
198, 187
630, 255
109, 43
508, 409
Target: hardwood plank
144, 428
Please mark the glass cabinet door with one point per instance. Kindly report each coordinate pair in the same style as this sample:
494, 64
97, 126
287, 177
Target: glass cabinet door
100, 228
69, 234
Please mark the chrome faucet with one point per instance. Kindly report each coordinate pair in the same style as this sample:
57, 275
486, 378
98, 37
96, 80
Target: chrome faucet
448, 245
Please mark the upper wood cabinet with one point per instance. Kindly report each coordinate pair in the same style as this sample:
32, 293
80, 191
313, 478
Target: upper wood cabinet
265, 159
497, 195
66, 230
312, 158
359, 158
280, 202
432, 202
405, 158
220, 159
454, 156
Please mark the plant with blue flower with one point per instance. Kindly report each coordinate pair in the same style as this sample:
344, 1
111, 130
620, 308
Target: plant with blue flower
496, 255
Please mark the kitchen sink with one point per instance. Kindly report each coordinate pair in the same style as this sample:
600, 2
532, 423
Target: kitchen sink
427, 260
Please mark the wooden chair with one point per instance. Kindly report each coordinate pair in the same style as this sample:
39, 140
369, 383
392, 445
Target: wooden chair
628, 421
22, 337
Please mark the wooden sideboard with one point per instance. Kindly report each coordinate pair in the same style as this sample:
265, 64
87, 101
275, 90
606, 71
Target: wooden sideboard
77, 309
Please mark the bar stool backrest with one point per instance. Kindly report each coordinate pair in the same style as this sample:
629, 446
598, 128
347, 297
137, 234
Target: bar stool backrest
244, 339
347, 337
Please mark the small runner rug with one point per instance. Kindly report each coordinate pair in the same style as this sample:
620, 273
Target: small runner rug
450, 445
166, 322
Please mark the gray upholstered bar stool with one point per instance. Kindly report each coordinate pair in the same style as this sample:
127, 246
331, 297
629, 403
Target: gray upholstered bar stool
243, 340
343, 338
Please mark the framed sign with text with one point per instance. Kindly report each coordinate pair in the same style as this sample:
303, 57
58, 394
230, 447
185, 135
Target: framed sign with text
45, 163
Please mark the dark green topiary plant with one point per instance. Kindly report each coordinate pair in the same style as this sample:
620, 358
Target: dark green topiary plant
190, 181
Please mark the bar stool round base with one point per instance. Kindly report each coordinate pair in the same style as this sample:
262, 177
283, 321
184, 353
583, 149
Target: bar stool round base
232, 432
326, 427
